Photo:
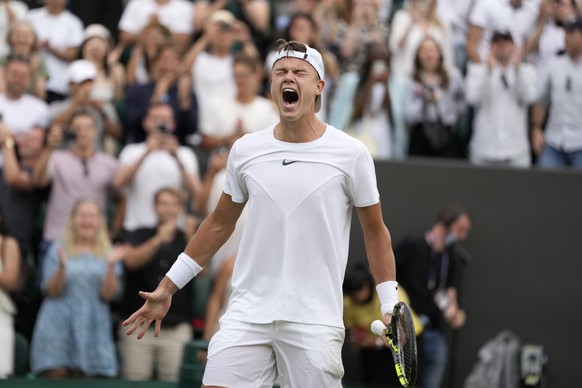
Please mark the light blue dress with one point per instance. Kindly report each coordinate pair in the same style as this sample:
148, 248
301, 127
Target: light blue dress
74, 330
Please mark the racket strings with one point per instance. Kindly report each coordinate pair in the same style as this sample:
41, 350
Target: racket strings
406, 343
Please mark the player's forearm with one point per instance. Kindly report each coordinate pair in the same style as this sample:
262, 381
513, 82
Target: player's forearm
381, 256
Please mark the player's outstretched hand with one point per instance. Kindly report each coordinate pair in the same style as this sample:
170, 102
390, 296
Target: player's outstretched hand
155, 308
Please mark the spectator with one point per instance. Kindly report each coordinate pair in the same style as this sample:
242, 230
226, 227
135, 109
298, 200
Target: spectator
80, 171
372, 113
105, 12
248, 111
410, 26
434, 104
82, 77
60, 34
487, 16
429, 269
547, 40
22, 41
168, 86
97, 49
177, 15
19, 199
19, 110
358, 30
501, 91
256, 15
561, 144
157, 162
146, 262
10, 261
10, 12
455, 13
151, 38
81, 275
210, 59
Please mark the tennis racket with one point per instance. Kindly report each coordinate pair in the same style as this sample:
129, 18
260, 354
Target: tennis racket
402, 343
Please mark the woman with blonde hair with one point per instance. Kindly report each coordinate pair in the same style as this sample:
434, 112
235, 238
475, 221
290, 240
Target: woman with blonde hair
410, 26
80, 277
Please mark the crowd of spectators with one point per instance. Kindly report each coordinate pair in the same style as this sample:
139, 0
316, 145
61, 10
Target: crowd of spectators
116, 117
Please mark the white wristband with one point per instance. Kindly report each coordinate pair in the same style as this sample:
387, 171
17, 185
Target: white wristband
183, 270
388, 295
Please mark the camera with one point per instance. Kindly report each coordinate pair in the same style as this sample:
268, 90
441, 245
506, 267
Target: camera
163, 128
69, 135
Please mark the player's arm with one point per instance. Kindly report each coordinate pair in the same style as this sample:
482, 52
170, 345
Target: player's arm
378, 245
209, 237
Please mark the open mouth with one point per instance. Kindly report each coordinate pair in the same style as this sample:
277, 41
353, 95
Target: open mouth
290, 96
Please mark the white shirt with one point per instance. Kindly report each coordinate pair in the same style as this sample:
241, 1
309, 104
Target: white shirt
19, 9
292, 258
500, 130
158, 170
456, 14
257, 115
499, 15
176, 15
23, 114
564, 126
552, 41
62, 31
402, 61
212, 78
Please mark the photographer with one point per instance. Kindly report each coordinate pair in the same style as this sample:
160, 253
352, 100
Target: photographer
429, 269
157, 162
78, 171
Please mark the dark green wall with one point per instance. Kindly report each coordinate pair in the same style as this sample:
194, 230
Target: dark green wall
526, 243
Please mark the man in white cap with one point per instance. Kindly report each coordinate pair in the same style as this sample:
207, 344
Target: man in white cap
302, 179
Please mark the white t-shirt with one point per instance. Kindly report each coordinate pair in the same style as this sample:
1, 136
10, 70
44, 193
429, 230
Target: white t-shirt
157, 171
294, 249
23, 114
212, 78
255, 116
177, 15
62, 31
499, 15
19, 9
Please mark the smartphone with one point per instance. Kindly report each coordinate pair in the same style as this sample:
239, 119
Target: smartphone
379, 68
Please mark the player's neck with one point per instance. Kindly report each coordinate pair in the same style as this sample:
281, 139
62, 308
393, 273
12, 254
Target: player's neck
300, 131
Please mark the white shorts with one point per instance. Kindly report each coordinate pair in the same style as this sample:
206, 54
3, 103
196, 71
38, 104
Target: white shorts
245, 355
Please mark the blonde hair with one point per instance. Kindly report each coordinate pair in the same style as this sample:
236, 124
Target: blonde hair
101, 244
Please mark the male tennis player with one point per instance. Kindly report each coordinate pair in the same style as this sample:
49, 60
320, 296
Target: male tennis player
301, 179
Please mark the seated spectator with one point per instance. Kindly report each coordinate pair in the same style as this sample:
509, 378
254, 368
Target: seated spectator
372, 116
20, 200
97, 49
145, 262
501, 91
516, 16
10, 261
82, 77
210, 59
561, 143
60, 33
10, 12
547, 40
20, 111
151, 38
177, 15
248, 111
168, 86
434, 104
410, 26
81, 274
157, 162
77, 172
22, 42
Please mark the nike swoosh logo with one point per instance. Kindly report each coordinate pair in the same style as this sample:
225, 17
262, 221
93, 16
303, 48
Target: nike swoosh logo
286, 163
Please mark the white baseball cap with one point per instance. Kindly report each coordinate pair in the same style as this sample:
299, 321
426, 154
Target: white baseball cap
311, 56
82, 70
